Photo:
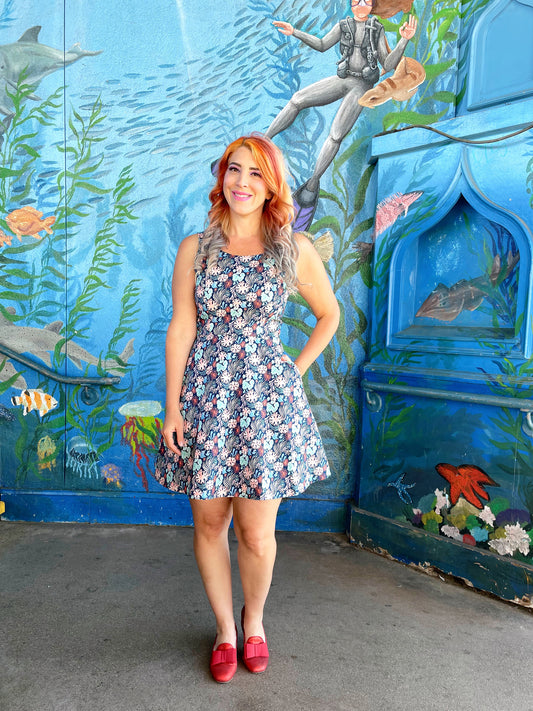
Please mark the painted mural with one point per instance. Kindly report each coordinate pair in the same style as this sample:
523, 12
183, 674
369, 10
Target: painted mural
106, 168
447, 428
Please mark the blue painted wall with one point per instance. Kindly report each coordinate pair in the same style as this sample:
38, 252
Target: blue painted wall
117, 147
446, 426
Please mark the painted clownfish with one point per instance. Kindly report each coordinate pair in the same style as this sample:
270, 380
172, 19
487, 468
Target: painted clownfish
34, 400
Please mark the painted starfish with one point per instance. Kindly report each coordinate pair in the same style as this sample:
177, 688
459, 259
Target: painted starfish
399, 485
466, 480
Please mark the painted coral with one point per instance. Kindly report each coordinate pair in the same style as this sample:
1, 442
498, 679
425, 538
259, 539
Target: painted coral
515, 539
496, 527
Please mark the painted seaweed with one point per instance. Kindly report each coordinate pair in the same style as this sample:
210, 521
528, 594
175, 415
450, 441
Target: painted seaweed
34, 276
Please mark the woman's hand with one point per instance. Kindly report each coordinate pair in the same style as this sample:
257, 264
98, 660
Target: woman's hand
173, 432
408, 29
284, 27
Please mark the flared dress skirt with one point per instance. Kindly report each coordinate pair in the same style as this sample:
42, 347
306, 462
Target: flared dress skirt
248, 428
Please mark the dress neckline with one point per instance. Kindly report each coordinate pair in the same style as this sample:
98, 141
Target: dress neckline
242, 256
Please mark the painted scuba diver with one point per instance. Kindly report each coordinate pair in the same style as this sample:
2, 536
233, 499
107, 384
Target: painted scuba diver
363, 46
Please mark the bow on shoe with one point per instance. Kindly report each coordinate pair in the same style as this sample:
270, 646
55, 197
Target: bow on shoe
224, 656
256, 650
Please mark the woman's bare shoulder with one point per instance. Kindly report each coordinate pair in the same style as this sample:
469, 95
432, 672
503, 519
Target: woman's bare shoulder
190, 243
305, 246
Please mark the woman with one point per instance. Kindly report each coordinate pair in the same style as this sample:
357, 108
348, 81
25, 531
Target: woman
238, 434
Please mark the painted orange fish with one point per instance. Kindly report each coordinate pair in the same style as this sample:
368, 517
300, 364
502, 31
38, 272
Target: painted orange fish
466, 480
5, 239
34, 400
29, 221
401, 86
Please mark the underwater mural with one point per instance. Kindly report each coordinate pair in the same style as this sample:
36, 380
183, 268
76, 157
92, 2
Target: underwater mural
105, 167
447, 433
363, 47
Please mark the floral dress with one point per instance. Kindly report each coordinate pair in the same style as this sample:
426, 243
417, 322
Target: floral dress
248, 428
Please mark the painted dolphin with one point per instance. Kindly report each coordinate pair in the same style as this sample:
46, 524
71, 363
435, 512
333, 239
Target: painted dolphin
41, 342
35, 60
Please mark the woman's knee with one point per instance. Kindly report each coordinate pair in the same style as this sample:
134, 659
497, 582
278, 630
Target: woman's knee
210, 529
258, 541
211, 522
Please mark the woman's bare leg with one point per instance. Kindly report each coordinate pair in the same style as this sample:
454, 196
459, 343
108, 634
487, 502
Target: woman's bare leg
211, 523
255, 524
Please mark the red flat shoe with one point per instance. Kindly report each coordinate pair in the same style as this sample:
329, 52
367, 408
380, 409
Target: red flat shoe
223, 664
255, 652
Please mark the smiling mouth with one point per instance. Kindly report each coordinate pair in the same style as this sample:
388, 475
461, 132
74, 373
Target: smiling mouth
240, 196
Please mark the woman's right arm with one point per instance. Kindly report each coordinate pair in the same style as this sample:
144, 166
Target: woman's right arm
321, 45
180, 337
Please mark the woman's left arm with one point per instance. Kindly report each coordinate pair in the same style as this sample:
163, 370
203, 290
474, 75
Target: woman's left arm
314, 287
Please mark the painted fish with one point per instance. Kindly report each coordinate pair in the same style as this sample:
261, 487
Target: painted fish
323, 244
29, 221
8, 372
364, 249
445, 303
34, 400
5, 239
390, 209
36, 61
466, 480
6, 414
407, 77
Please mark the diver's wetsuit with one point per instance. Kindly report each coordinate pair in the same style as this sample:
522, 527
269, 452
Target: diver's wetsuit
357, 73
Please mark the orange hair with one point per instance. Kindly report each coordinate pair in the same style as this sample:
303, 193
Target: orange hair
278, 211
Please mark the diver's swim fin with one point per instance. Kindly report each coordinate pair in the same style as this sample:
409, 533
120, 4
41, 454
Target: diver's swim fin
305, 202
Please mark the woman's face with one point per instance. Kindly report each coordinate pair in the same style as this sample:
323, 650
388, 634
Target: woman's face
361, 9
244, 188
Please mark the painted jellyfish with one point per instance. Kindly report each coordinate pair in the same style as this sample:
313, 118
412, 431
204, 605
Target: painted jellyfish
82, 459
111, 476
141, 432
46, 449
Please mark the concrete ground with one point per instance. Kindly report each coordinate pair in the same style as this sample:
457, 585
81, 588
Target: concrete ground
115, 618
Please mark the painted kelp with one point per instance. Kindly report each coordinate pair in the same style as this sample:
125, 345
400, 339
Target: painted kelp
346, 205
140, 143
34, 277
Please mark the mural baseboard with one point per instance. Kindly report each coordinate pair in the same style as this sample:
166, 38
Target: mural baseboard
298, 514
504, 577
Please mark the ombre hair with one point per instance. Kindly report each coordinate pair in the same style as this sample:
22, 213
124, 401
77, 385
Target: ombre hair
278, 210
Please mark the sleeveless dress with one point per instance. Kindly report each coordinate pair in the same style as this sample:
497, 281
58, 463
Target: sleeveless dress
248, 428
